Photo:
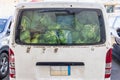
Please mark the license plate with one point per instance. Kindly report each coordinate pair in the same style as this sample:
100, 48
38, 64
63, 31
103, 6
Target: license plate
60, 70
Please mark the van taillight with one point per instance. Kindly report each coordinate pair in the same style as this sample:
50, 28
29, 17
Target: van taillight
108, 64
11, 64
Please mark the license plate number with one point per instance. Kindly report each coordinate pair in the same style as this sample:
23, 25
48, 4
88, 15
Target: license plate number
60, 70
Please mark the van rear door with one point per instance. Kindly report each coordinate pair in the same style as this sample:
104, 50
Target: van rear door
60, 44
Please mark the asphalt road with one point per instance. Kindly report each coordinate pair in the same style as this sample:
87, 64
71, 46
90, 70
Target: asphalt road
115, 71
7, 78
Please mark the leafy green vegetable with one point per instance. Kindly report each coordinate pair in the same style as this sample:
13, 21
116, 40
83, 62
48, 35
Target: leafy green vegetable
35, 38
24, 35
49, 37
49, 28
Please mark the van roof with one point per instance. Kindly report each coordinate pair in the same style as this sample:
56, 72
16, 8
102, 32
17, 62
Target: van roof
64, 0
52, 4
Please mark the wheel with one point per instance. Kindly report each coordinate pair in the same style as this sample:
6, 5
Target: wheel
4, 65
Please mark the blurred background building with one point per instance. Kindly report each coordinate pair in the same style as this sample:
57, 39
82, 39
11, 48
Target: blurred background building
7, 7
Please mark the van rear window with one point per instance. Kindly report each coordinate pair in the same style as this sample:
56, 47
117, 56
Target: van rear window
60, 27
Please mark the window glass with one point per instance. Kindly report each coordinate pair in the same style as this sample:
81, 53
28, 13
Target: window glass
2, 24
116, 23
110, 8
68, 26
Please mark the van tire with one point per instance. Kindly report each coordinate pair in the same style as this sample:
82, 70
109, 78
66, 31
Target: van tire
4, 65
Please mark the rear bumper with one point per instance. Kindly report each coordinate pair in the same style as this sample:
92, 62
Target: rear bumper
12, 79
107, 78
56, 79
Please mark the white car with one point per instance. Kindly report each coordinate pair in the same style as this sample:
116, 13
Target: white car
114, 23
5, 24
60, 41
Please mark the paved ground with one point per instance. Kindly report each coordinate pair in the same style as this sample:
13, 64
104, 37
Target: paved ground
7, 78
115, 70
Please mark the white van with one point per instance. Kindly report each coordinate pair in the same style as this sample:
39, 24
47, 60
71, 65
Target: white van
60, 41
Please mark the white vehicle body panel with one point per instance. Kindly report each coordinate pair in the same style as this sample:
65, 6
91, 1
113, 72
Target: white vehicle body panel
27, 56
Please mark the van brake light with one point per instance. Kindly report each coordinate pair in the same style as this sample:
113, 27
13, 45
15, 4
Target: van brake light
108, 64
11, 64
